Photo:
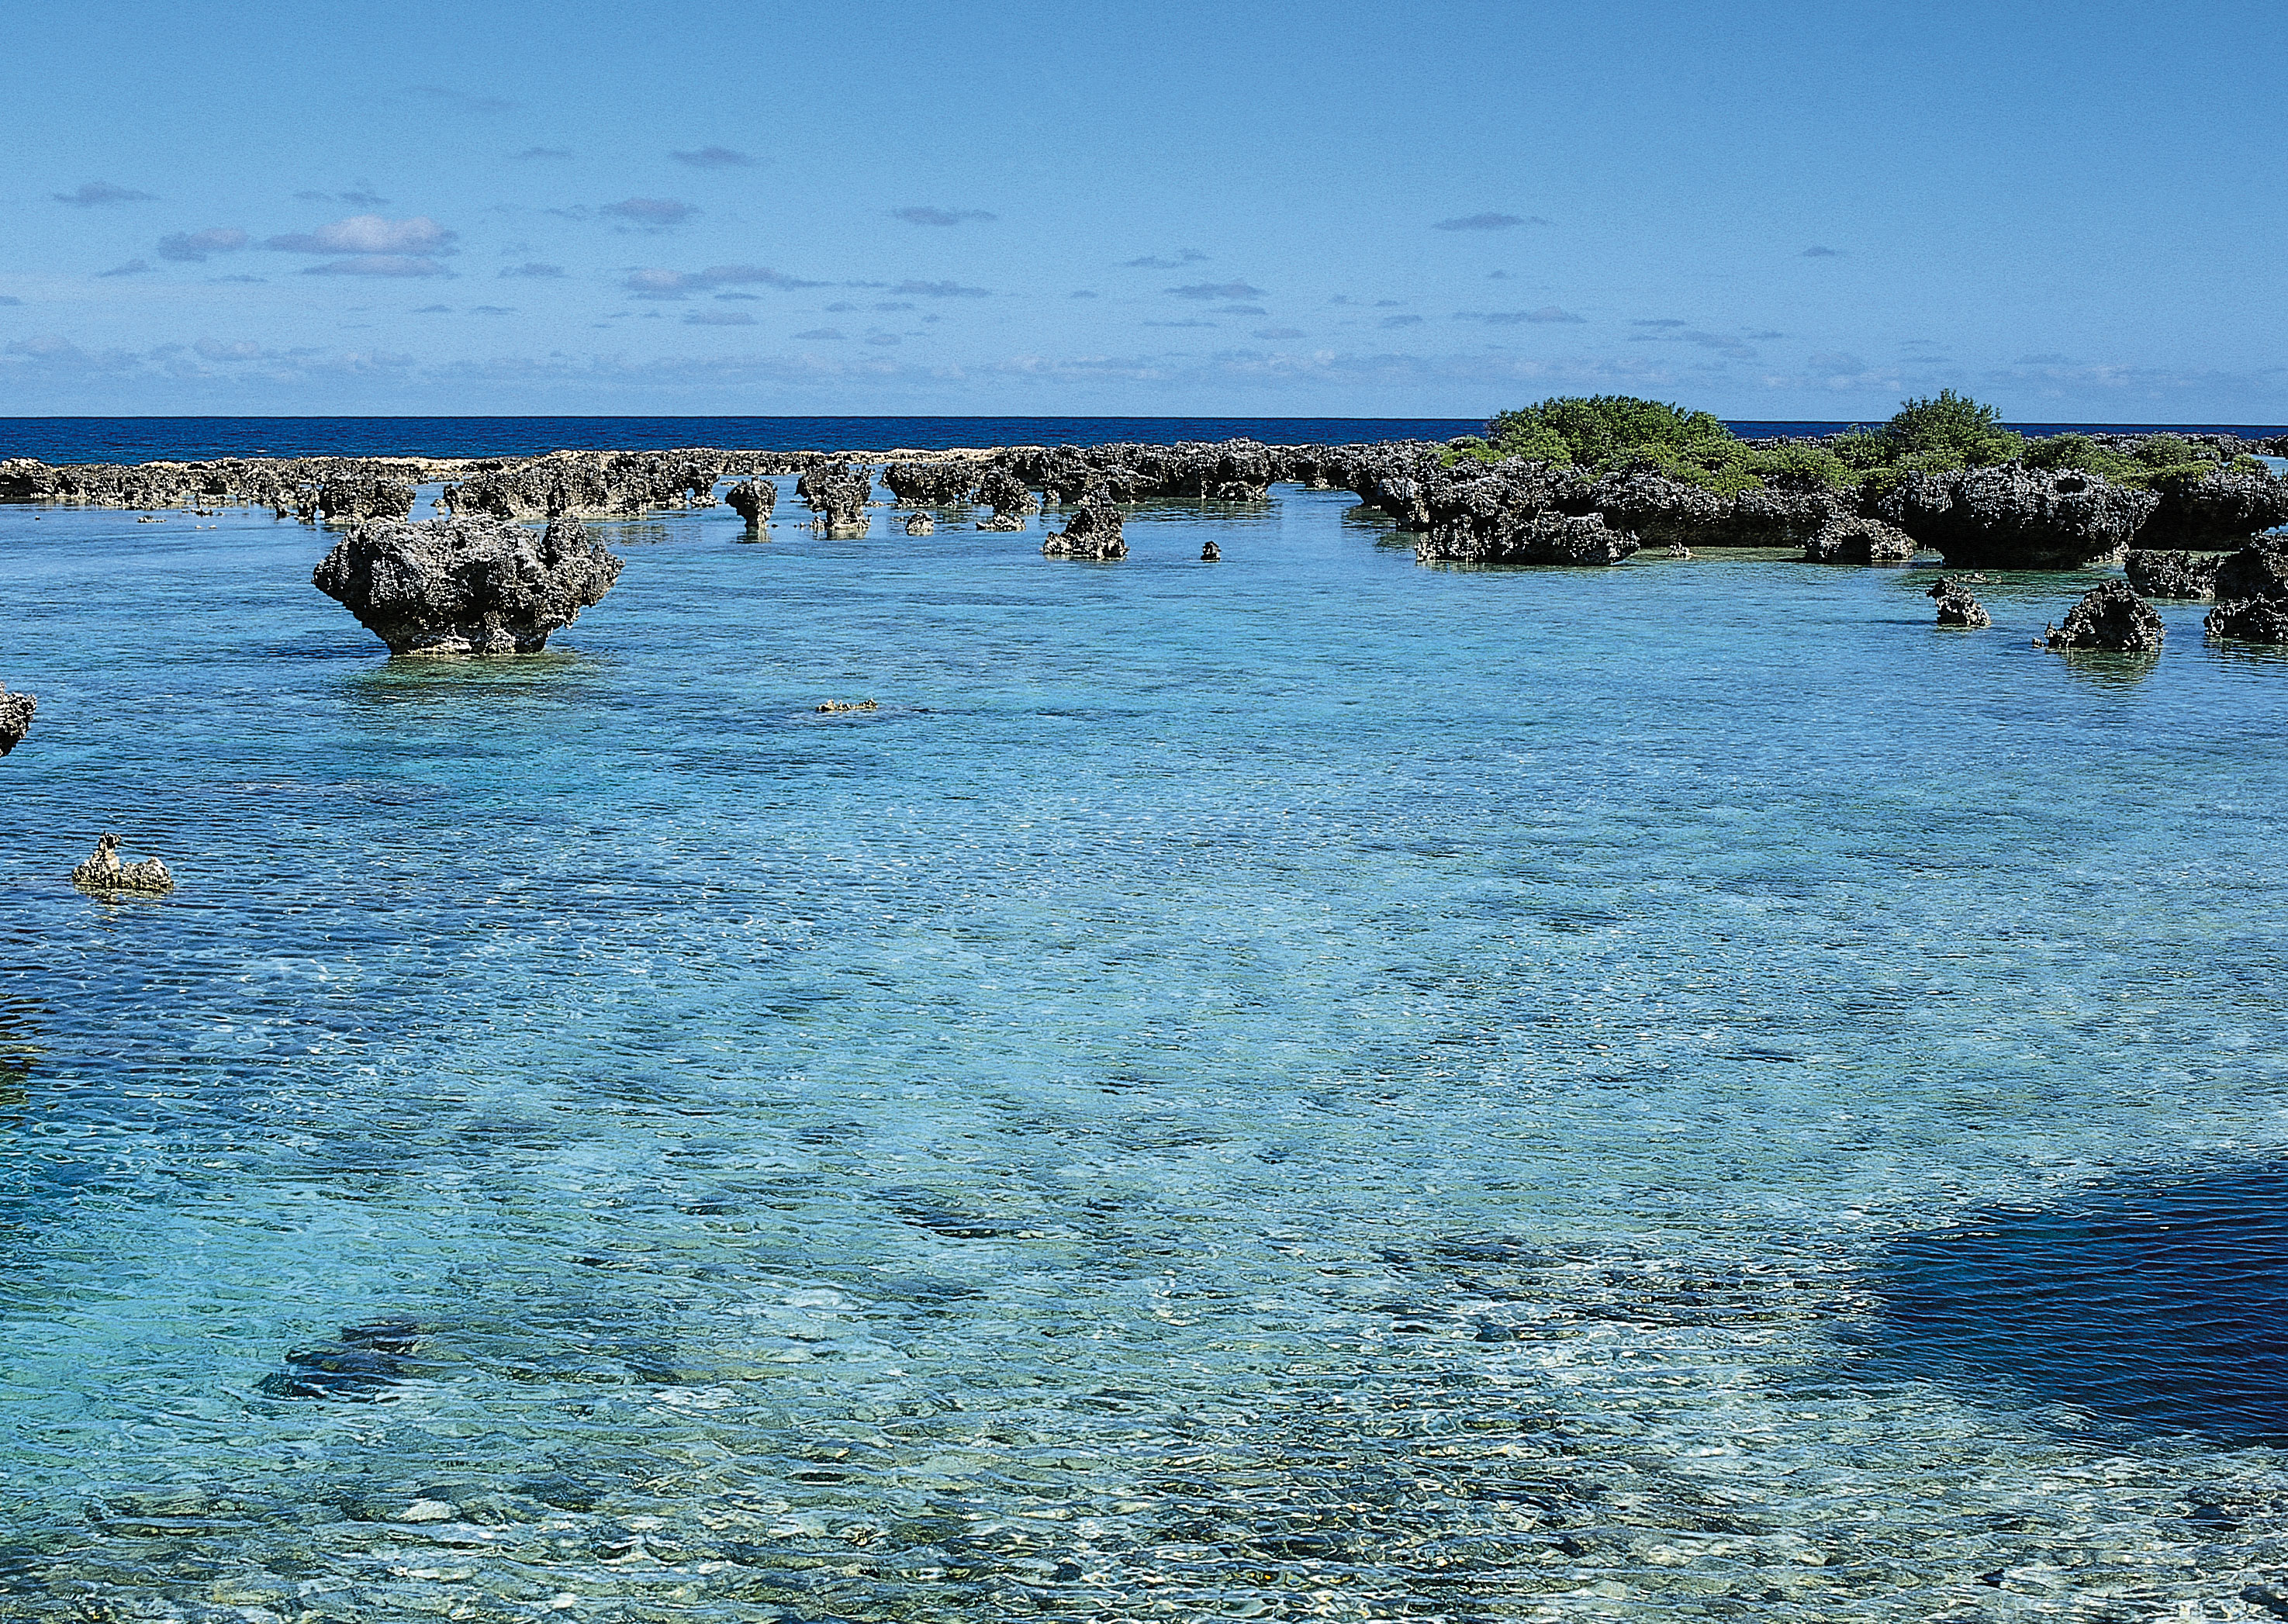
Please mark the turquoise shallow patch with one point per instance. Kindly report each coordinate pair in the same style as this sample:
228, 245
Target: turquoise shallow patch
1306, 1084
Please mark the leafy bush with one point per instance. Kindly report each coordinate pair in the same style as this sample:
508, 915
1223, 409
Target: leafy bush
1594, 430
1950, 423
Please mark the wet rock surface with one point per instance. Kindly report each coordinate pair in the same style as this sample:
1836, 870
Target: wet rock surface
104, 872
1093, 532
461, 586
838, 493
16, 711
2018, 518
1001, 521
1859, 541
1956, 607
2172, 575
921, 524
2252, 594
752, 500
2110, 615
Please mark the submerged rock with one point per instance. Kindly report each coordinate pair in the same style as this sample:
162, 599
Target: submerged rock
15, 717
837, 493
1859, 541
2019, 518
2251, 591
1093, 532
1956, 607
921, 524
2172, 575
104, 872
752, 500
465, 586
362, 1363
2110, 615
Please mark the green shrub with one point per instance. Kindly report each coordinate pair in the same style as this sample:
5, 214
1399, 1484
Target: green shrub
2063, 451
1860, 450
1951, 425
1597, 430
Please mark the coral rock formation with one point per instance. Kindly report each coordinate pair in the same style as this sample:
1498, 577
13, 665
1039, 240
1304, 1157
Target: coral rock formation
2110, 615
2172, 575
1859, 541
2018, 518
752, 500
15, 717
837, 493
104, 872
1956, 607
2252, 593
921, 524
1093, 532
465, 586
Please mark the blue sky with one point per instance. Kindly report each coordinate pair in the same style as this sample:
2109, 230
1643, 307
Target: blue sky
1770, 210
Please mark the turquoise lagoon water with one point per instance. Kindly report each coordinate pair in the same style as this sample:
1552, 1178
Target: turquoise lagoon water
1310, 1086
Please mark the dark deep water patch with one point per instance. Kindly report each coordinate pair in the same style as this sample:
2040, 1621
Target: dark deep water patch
2155, 1303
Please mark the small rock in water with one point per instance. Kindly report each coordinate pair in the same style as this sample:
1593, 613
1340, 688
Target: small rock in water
1210, 553
1093, 532
104, 872
1677, 550
1956, 607
15, 717
848, 704
2110, 615
752, 501
2172, 575
2252, 593
921, 524
1001, 521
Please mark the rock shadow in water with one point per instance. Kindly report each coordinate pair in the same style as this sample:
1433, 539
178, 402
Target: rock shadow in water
2154, 1304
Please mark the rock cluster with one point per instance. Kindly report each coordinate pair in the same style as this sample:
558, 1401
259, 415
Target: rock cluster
2172, 575
302, 487
2110, 615
104, 872
1859, 541
838, 493
16, 711
1956, 607
567, 483
752, 500
1093, 532
465, 586
2018, 518
2252, 594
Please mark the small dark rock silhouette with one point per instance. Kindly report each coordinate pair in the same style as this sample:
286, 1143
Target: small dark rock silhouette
2110, 615
1210, 553
921, 524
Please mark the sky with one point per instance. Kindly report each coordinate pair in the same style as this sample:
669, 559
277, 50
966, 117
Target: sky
1319, 208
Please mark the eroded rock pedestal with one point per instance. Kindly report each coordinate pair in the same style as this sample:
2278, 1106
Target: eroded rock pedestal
837, 493
465, 586
752, 500
1956, 607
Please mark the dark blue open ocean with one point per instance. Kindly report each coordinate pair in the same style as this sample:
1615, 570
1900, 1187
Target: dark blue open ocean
142, 439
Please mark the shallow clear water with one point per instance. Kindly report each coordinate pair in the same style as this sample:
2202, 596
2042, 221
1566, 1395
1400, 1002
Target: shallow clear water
1305, 1086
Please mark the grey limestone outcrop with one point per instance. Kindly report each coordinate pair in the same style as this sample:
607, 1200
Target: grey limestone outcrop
16, 710
2110, 615
2018, 518
465, 586
1091, 532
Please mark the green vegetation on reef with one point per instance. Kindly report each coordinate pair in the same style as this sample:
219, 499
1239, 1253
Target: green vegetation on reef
1601, 434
